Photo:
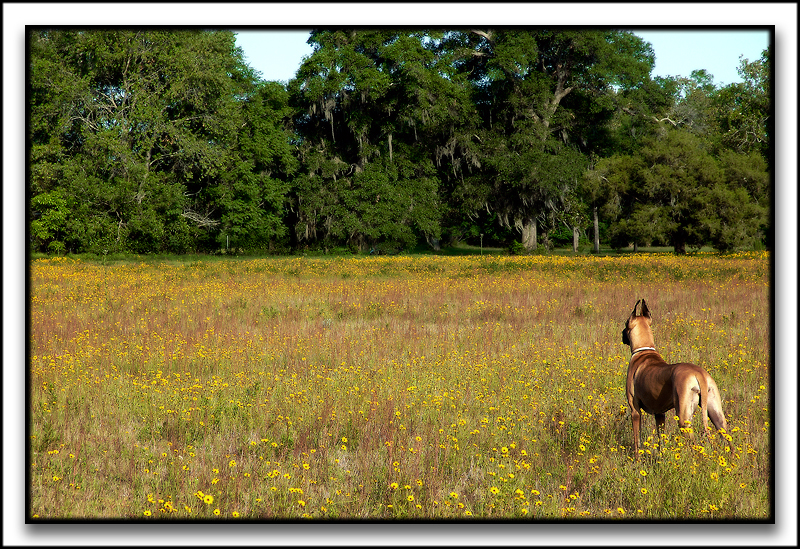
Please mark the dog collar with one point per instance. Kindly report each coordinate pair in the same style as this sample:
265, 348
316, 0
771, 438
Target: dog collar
642, 349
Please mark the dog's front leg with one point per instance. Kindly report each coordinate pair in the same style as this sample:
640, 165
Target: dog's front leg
636, 418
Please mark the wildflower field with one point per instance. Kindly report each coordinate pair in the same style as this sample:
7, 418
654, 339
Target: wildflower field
416, 387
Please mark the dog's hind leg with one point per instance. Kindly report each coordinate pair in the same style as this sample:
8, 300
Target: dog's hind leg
687, 397
715, 406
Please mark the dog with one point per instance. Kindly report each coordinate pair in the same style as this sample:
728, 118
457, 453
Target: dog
656, 387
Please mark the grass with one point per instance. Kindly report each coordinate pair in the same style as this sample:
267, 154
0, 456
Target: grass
389, 388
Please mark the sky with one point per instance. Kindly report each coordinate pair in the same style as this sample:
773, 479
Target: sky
678, 52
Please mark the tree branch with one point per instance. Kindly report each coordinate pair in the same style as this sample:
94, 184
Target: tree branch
486, 35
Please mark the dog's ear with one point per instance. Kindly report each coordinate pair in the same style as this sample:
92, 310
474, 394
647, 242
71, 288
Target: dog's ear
635, 308
645, 310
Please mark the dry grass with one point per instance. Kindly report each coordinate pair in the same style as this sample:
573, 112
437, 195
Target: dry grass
443, 388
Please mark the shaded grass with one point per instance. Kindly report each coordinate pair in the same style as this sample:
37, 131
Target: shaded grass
266, 383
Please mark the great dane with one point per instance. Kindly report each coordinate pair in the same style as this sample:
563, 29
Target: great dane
657, 387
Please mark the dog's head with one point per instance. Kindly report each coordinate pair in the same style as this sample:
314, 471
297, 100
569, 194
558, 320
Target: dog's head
640, 316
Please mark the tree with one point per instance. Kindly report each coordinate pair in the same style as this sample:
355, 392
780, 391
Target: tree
374, 110
744, 109
542, 95
736, 211
251, 197
675, 191
139, 129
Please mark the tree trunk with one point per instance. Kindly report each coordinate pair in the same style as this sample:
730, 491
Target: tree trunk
596, 232
679, 244
529, 234
575, 236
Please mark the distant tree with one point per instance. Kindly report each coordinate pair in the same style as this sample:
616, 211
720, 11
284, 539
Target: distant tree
375, 109
675, 191
138, 131
744, 109
251, 197
544, 97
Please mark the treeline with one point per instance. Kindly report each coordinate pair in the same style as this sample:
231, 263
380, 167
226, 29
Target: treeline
150, 141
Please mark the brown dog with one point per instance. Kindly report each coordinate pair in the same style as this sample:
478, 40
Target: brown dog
657, 387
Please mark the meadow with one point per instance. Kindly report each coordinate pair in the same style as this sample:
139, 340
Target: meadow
443, 388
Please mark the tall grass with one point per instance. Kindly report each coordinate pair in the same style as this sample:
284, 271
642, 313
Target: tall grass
390, 388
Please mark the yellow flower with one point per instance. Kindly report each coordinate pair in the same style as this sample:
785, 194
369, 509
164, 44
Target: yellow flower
644, 491
643, 473
410, 497
620, 510
453, 495
301, 503
147, 513
208, 499
232, 463
393, 486
714, 476
495, 490
216, 511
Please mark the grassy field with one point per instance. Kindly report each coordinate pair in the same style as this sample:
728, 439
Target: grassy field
389, 388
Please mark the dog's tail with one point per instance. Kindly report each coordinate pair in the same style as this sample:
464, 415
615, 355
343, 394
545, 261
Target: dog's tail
701, 381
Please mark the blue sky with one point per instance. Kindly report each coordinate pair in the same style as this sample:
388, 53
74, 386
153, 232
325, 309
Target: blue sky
678, 52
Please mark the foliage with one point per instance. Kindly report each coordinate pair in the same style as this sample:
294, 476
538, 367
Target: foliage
541, 96
140, 130
157, 141
676, 192
371, 106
